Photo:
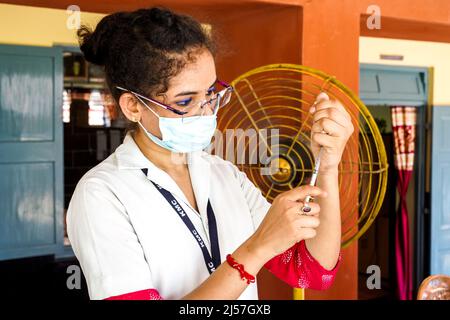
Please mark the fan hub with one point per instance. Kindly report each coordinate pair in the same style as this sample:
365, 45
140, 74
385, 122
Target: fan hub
282, 169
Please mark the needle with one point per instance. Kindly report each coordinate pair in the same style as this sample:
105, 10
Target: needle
306, 208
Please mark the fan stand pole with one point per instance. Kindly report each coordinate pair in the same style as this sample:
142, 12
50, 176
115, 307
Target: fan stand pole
299, 294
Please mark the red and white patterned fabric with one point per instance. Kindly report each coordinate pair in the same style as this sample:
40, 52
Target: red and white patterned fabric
298, 268
403, 128
149, 294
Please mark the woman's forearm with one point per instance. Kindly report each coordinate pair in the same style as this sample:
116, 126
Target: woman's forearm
325, 246
225, 283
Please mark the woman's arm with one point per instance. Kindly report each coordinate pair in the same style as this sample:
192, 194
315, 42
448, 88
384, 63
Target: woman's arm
226, 283
331, 130
281, 228
326, 245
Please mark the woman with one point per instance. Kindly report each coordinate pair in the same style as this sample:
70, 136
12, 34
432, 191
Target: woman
162, 219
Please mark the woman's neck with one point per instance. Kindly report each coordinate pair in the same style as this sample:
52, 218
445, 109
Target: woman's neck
159, 156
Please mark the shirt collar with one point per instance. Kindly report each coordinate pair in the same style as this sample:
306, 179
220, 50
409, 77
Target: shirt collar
129, 156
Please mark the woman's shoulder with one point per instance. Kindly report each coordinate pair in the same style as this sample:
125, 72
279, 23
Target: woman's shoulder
96, 189
101, 179
100, 174
218, 161
223, 166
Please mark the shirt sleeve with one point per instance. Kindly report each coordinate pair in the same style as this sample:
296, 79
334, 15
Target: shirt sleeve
149, 294
257, 204
104, 241
296, 266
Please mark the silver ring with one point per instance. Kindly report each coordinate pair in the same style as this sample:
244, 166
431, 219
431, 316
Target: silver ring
306, 209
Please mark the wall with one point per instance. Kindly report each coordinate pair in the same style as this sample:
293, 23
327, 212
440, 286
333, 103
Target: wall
250, 36
23, 25
416, 53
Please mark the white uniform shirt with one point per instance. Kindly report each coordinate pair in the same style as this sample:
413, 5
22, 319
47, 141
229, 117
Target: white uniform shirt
128, 238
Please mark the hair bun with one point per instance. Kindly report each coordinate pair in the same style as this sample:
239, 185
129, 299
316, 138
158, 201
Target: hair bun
162, 17
95, 44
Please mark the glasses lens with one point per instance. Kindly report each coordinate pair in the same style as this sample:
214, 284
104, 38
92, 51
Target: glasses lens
226, 98
218, 100
194, 113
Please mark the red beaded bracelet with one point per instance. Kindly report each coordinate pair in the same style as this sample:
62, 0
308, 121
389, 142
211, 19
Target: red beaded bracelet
244, 275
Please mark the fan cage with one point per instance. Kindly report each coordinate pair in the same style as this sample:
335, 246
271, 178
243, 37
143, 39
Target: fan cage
276, 99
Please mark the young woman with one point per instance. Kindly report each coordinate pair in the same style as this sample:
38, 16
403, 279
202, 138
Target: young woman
162, 219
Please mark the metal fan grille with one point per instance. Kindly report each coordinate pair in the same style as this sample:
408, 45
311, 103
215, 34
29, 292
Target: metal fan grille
277, 98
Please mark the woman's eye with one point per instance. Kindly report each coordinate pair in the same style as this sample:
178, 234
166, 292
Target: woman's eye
184, 103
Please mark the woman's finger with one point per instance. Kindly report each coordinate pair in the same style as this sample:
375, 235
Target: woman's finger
299, 193
307, 222
325, 140
297, 206
326, 104
333, 114
329, 127
306, 233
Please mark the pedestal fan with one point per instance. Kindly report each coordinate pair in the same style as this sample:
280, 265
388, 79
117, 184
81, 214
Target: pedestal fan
277, 98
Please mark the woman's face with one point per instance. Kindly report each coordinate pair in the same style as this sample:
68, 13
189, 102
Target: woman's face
195, 83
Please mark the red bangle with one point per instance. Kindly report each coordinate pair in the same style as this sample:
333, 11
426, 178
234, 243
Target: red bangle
244, 275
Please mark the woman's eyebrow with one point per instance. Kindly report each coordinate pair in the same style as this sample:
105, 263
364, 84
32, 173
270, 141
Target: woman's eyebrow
187, 93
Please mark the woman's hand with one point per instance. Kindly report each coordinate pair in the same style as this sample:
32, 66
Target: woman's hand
284, 225
331, 130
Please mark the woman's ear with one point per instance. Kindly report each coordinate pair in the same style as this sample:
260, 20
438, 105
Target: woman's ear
130, 107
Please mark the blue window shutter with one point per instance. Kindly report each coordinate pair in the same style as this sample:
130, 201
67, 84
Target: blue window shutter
394, 85
31, 151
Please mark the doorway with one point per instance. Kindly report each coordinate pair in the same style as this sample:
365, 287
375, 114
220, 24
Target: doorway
93, 127
381, 88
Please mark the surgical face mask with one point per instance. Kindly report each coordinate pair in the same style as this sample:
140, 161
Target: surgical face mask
184, 134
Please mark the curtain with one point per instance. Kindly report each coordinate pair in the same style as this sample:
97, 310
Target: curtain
403, 128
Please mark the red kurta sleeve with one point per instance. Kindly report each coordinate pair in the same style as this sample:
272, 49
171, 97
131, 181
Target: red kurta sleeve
148, 294
298, 268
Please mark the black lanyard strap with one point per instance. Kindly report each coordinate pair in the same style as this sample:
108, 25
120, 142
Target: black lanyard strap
212, 263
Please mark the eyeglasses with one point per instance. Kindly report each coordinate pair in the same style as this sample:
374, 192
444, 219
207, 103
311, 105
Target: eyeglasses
217, 101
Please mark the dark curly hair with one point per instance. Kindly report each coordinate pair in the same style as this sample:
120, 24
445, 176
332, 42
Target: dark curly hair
142, 50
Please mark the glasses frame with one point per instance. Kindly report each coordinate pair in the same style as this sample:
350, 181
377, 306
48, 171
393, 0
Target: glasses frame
219, 95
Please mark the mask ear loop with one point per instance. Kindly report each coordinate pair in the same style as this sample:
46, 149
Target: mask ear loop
146, 105
139, 122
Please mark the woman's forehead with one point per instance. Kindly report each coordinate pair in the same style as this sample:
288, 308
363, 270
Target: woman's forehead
196, 76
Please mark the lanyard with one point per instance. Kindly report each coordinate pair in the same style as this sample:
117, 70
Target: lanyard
211, 262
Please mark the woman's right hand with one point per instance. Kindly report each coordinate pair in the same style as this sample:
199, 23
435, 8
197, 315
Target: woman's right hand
283, 225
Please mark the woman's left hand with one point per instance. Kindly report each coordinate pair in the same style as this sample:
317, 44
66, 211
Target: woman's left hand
331, 130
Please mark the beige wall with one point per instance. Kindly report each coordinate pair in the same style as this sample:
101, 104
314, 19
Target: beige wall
24, 25
416, 53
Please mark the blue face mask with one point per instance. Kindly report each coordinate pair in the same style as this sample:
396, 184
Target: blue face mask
184, 135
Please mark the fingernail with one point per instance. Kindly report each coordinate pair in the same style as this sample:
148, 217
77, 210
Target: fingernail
312, 109
322, 96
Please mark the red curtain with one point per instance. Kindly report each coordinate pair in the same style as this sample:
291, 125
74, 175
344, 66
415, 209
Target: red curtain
403, 128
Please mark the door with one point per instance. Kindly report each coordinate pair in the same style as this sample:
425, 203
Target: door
440, 192
31, 151
382, 86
